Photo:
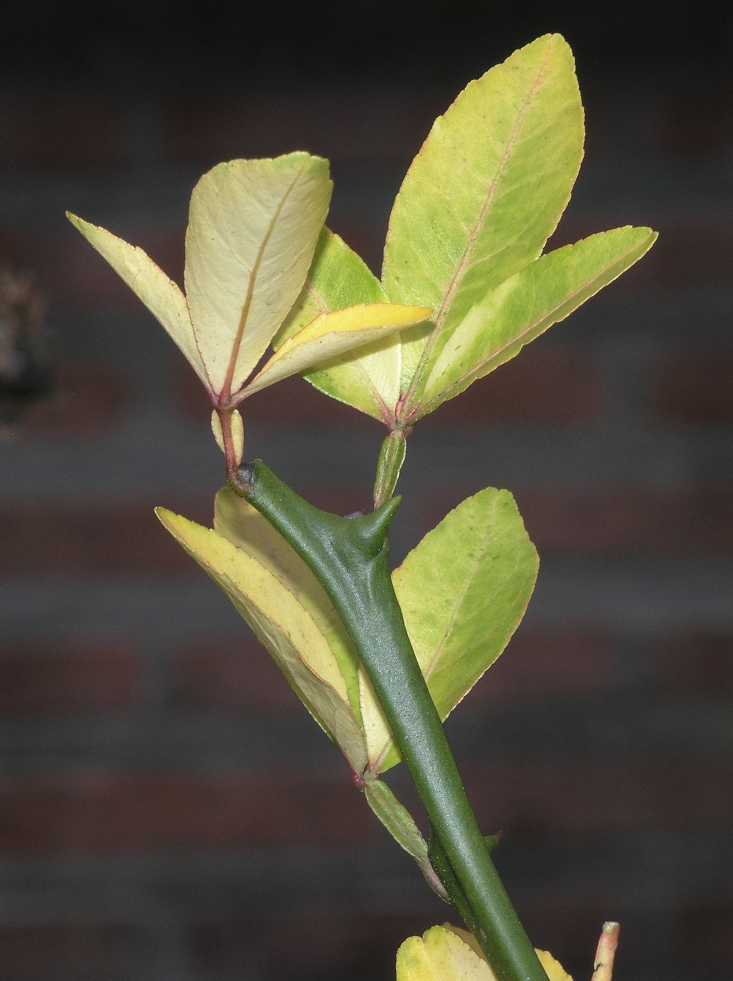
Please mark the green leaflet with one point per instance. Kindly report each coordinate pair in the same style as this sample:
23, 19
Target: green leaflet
463, 592
398, 821
524, 306
340, 278
264, 586
486, 190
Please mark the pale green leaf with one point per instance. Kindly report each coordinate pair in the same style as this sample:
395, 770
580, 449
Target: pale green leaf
446, 953
524, 306
160, 294
334, 336
463, 592
253, 228
339, 278
487, 189
396, 819
280, 618
244, 526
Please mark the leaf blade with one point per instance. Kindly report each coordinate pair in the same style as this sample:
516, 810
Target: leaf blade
339, 278
244, 527
284, 626
509, 148
163, 298
526, 305
333, 336
463, 592
253, 228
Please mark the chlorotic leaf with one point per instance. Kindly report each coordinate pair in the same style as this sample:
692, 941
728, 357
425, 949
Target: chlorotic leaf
525, 306
253, 228
160, 294
244, 527
335, 335
486, 190
280, 619
339, 278
463, 592
445, 953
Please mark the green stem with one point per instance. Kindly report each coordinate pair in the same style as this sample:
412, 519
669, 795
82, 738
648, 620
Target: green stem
349, 557
389, 464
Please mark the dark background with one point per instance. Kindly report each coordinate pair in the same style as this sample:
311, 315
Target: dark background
167, 810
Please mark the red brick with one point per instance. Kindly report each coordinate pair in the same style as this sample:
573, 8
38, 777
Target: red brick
632, 519
86, 400
690, 257
691, 125
696, 389
340, 124
547, 664
88, 279
84, 281
37, 952
63, 132
695, 666
545, 385
230, 672
314, 943
618, 521
39, 681
94, 812
703, 927
77, 540
664, 792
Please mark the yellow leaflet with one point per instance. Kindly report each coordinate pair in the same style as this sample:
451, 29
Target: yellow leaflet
332, 335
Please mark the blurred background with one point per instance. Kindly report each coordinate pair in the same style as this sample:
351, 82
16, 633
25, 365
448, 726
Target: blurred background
167, 810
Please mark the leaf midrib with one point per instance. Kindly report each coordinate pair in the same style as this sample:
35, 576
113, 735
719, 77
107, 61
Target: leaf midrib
480, 223
226, 391
518, 338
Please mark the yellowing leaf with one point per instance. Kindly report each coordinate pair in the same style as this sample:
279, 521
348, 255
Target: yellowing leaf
339, 278
279, 616
463, 592
487, 188
445, 953
244, 527
553, 968
160, 294
332, 335
253, 228
524, 306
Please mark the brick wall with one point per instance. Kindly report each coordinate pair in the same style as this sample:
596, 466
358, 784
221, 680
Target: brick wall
167, 811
